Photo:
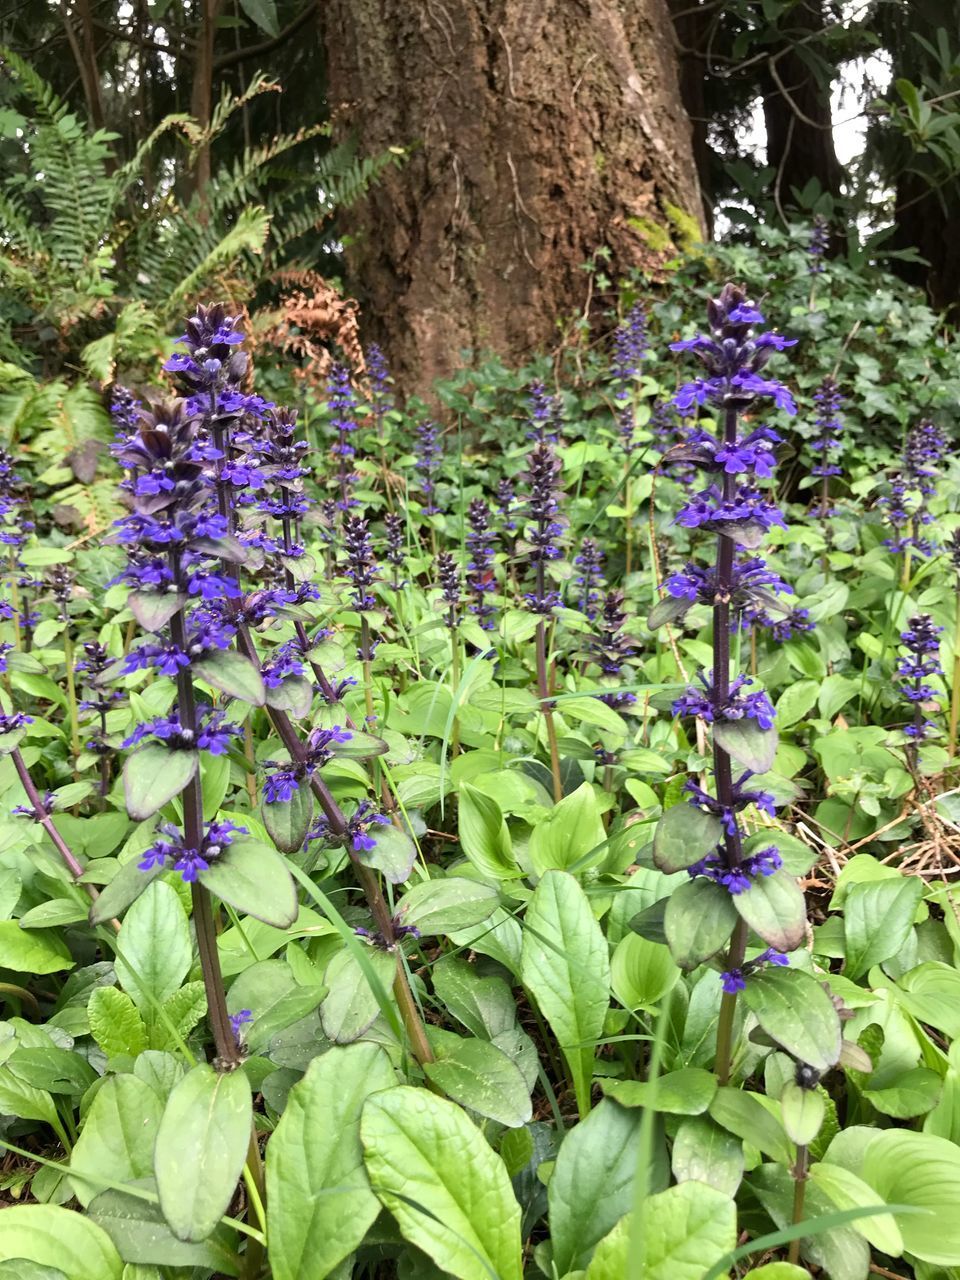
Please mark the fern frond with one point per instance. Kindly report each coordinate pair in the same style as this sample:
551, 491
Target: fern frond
229, 103
248, 235
51, 108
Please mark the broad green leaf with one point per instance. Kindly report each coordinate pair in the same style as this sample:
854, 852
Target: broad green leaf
484, 1004
796, 702
115, 1023
350, 1006
154, 609
32, 950
842, 1252
741, 1113
778, 1271
775, 910
793, 1008
913, 1093
498, 937
155, 774
153, 947
687, 1092
484, 836
480, 1076
288, 821
393, 854
201, 1149
293, 694
802, 1111
233, 674
591, 1186
18, 1097
565, 967
445, 906
642, 972
747, 743
116, 1143
446, 1187
877, 919
142, 1237
184, 1010
571, 830
685, 835
60, 1239
254, 879
704, 1152
53, 1069
924, 1171
274, 997
847, 1191
125, 887
835, 692
320, 1204
683, 1230
698, 921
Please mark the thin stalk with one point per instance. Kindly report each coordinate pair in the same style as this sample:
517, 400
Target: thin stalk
799, 1172
41, 815
955, 686
546, 707
71, 694
722, 764
256, 1212
627, 520
455, 682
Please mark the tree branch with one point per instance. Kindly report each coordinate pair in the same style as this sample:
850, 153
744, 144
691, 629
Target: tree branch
265, 46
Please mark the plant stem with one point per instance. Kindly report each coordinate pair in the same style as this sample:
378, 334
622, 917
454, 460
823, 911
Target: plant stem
799, 1191
627, 521
455, 682
546, 707
71, 694
955, 685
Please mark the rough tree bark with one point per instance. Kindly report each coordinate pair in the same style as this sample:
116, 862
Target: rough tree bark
540, 131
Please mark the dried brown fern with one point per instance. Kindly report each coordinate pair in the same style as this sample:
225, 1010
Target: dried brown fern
313, 317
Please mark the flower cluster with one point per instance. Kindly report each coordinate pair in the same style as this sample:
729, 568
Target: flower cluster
212, 733
544, 415
630, 345
320, 747
735, 704
395, 555
733, 356
358, 825
906, 506
739, 798
818, 246
170, 851
611, 649
734, 980
448, 579
545, 526
429, 453
827, 443
738, 879
381, 396
921, 639
589, 581
343, 420
480, 579
360, 564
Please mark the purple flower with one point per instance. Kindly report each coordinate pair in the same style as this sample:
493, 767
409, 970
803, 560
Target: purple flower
480, 579
737, 705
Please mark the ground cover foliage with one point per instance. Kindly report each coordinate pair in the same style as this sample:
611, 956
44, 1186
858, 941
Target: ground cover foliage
514, 842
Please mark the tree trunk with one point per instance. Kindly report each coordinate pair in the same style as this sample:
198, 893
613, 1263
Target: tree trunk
539, 131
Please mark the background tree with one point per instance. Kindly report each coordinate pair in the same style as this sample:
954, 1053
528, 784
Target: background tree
540, 134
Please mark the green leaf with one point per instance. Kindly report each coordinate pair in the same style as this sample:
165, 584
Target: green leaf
479, 1075
751, 746
591, 1186
778, 1271
835, 692
687, 1092
448, 1190
840, 1251
847, 1191
360, 746
775, 910
184, 1009
350, 1007
877, 919
20, 1098
794, 1009
685, 835
154, 609
56, 1070
444, 906
201, 1149
796, 702
294, 695
802, 1111
924, 1171
32, 950
116, 1143
484, 836
115, 1023
570, 831
155, 774
233, 674
320, 1204
125, 887
913, 1093
642, 972
254, 879
705, 1152
393, 854
698, 921
271, 993
138, 1230
57, 1238
263, 14
153, 947
741, 1113
565, 967
683, 1230
288, 821
484, 1004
